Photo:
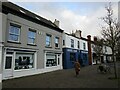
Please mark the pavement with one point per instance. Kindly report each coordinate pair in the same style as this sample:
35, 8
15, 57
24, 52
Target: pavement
88, 78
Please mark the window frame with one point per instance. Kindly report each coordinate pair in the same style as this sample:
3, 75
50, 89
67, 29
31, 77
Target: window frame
50, 40
57, 42
78, 44
63, 42
25, 54
10, 33
84, 46
72, 43
33, 38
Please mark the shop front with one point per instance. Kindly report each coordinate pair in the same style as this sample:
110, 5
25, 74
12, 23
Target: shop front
53, 60
18, 60
84, 58
69, 57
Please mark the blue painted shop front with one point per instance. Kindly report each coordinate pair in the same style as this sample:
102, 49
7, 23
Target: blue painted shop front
70, 55
84, 58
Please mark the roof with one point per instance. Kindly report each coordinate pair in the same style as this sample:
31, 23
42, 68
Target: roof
9, 7
82, 38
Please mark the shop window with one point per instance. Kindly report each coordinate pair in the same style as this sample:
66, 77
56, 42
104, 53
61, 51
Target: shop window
51, 60
14, 33
24, 61
72, 57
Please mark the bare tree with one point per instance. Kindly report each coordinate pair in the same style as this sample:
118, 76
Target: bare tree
98, 48
111, 33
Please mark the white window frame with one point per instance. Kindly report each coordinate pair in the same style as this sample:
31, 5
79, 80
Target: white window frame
58, 55
30, 37
57, 42
34, 61
14, 25
78, 44
84, 46
49, 40
72, 43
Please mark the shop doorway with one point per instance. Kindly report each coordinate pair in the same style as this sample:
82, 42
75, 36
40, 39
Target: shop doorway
8, 66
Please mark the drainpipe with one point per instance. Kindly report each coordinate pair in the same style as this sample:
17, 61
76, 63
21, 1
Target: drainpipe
89, 50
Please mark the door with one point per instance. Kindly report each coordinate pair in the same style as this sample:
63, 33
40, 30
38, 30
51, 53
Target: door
8, 66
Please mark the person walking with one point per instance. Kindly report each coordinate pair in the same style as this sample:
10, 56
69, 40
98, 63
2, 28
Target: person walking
77, 67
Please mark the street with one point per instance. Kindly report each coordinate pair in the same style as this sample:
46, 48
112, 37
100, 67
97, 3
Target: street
88, 78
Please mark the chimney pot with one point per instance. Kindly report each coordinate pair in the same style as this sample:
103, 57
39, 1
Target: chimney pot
95, 38
56, 22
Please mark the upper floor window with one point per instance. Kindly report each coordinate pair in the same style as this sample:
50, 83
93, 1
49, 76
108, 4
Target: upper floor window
78, 44
105, 49
14, 33
31, 36
48, 40
72, 43
63, 42
84, 46
56, 41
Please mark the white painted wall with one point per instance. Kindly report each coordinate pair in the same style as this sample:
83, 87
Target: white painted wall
68, 38
108, 50
81, 45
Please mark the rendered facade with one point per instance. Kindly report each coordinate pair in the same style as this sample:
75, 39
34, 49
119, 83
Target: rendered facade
30, 43
74, 48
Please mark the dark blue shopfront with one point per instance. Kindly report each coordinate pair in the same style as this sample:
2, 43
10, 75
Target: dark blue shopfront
71, 55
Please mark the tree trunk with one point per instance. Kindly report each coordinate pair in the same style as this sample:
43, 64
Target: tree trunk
113, 57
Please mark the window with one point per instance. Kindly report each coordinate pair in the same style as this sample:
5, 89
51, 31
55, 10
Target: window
31, 37
72, 57
56, 42
14, 33
8, 63
63, 42
58, 59
24, 61
84, 46
78, 44
48, 40
51, 60
105, 49
72, 43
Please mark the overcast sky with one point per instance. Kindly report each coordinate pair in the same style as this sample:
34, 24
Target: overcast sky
82, 16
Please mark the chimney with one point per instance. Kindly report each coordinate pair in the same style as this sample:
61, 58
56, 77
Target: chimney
95, 38
89, 37
89, 50
56, 22
78, 33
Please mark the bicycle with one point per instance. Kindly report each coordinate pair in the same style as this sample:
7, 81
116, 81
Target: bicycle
103, 69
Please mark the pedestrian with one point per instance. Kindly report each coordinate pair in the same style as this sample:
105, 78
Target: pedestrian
77, 67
